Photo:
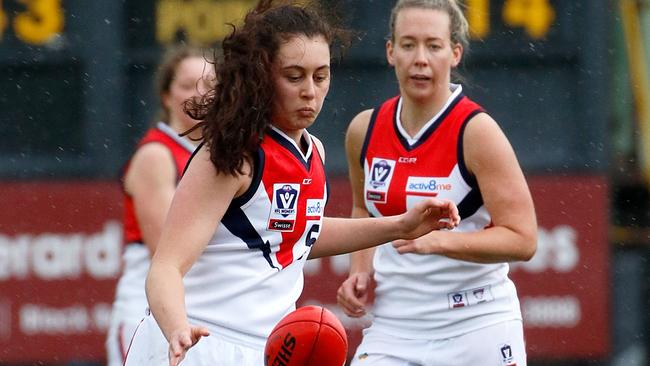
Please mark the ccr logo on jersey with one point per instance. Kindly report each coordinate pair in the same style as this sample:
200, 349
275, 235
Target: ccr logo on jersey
284, 207
378, 179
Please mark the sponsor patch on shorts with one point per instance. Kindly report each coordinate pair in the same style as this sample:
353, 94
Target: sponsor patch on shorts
475, 296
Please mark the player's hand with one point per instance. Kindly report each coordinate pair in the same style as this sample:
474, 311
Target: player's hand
427, 244
427, 215
182, 340
352, 295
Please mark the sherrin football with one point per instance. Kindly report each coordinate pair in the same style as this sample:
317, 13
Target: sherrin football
308, 336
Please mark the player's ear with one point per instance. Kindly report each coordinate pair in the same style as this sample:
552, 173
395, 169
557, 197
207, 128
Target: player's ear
389, 52
457, 52
164, 100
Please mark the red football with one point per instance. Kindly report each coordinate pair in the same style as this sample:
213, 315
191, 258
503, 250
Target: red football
308, 336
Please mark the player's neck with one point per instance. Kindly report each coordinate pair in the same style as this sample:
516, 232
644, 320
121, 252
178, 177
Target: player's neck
415, 113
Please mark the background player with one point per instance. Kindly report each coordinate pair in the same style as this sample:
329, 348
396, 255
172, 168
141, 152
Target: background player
149, 181
444, 298
249, 210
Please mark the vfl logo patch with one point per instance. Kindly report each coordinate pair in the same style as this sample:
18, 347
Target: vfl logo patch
458, 300
507, 358
284, 207
286, 199
378, 179
379, 172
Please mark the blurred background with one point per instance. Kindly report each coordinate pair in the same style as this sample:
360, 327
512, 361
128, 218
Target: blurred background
567, 81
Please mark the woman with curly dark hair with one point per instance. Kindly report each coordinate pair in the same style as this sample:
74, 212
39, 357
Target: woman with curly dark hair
248, 212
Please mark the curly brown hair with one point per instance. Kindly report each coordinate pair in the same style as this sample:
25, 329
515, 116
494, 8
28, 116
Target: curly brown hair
237, 112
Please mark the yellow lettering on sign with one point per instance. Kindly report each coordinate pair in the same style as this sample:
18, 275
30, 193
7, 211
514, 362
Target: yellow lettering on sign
199, 21
202, 21
3, 21
478, 17
167, 19
535, 16
42, 20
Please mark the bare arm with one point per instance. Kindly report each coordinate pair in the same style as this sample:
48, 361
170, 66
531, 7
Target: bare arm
513, 235
353, 144
200, 202
343, 235
353, 293
151, 181
360, 261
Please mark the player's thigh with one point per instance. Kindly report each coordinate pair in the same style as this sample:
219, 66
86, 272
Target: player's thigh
375, 359
119, 337
148, 346
216, 350
501, 344
114, 355
380, 349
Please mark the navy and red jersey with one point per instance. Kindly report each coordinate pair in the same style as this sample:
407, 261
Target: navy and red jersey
181, 151
430, 296
250, 274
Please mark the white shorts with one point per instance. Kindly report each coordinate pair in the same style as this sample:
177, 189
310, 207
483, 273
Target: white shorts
501, 344
118, 339
130, 304
149, 347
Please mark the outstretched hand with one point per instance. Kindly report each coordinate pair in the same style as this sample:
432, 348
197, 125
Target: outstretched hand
182, 340
352, 295
428, 215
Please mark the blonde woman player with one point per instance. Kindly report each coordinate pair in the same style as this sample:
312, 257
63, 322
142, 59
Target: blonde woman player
444, 298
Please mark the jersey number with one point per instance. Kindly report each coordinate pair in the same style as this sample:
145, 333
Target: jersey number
312, 235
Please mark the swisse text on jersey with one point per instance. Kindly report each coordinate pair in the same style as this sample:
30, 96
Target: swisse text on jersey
401, 170
250, 274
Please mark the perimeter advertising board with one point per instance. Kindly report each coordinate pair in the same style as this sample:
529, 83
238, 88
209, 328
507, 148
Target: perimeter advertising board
60, 247
59, 257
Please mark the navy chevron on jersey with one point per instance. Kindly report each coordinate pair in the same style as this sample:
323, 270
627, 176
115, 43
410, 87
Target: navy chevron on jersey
430, 296
250, 274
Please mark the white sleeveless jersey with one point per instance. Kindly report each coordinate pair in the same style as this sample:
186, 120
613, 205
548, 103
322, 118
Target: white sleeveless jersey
250, 274
430, 296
